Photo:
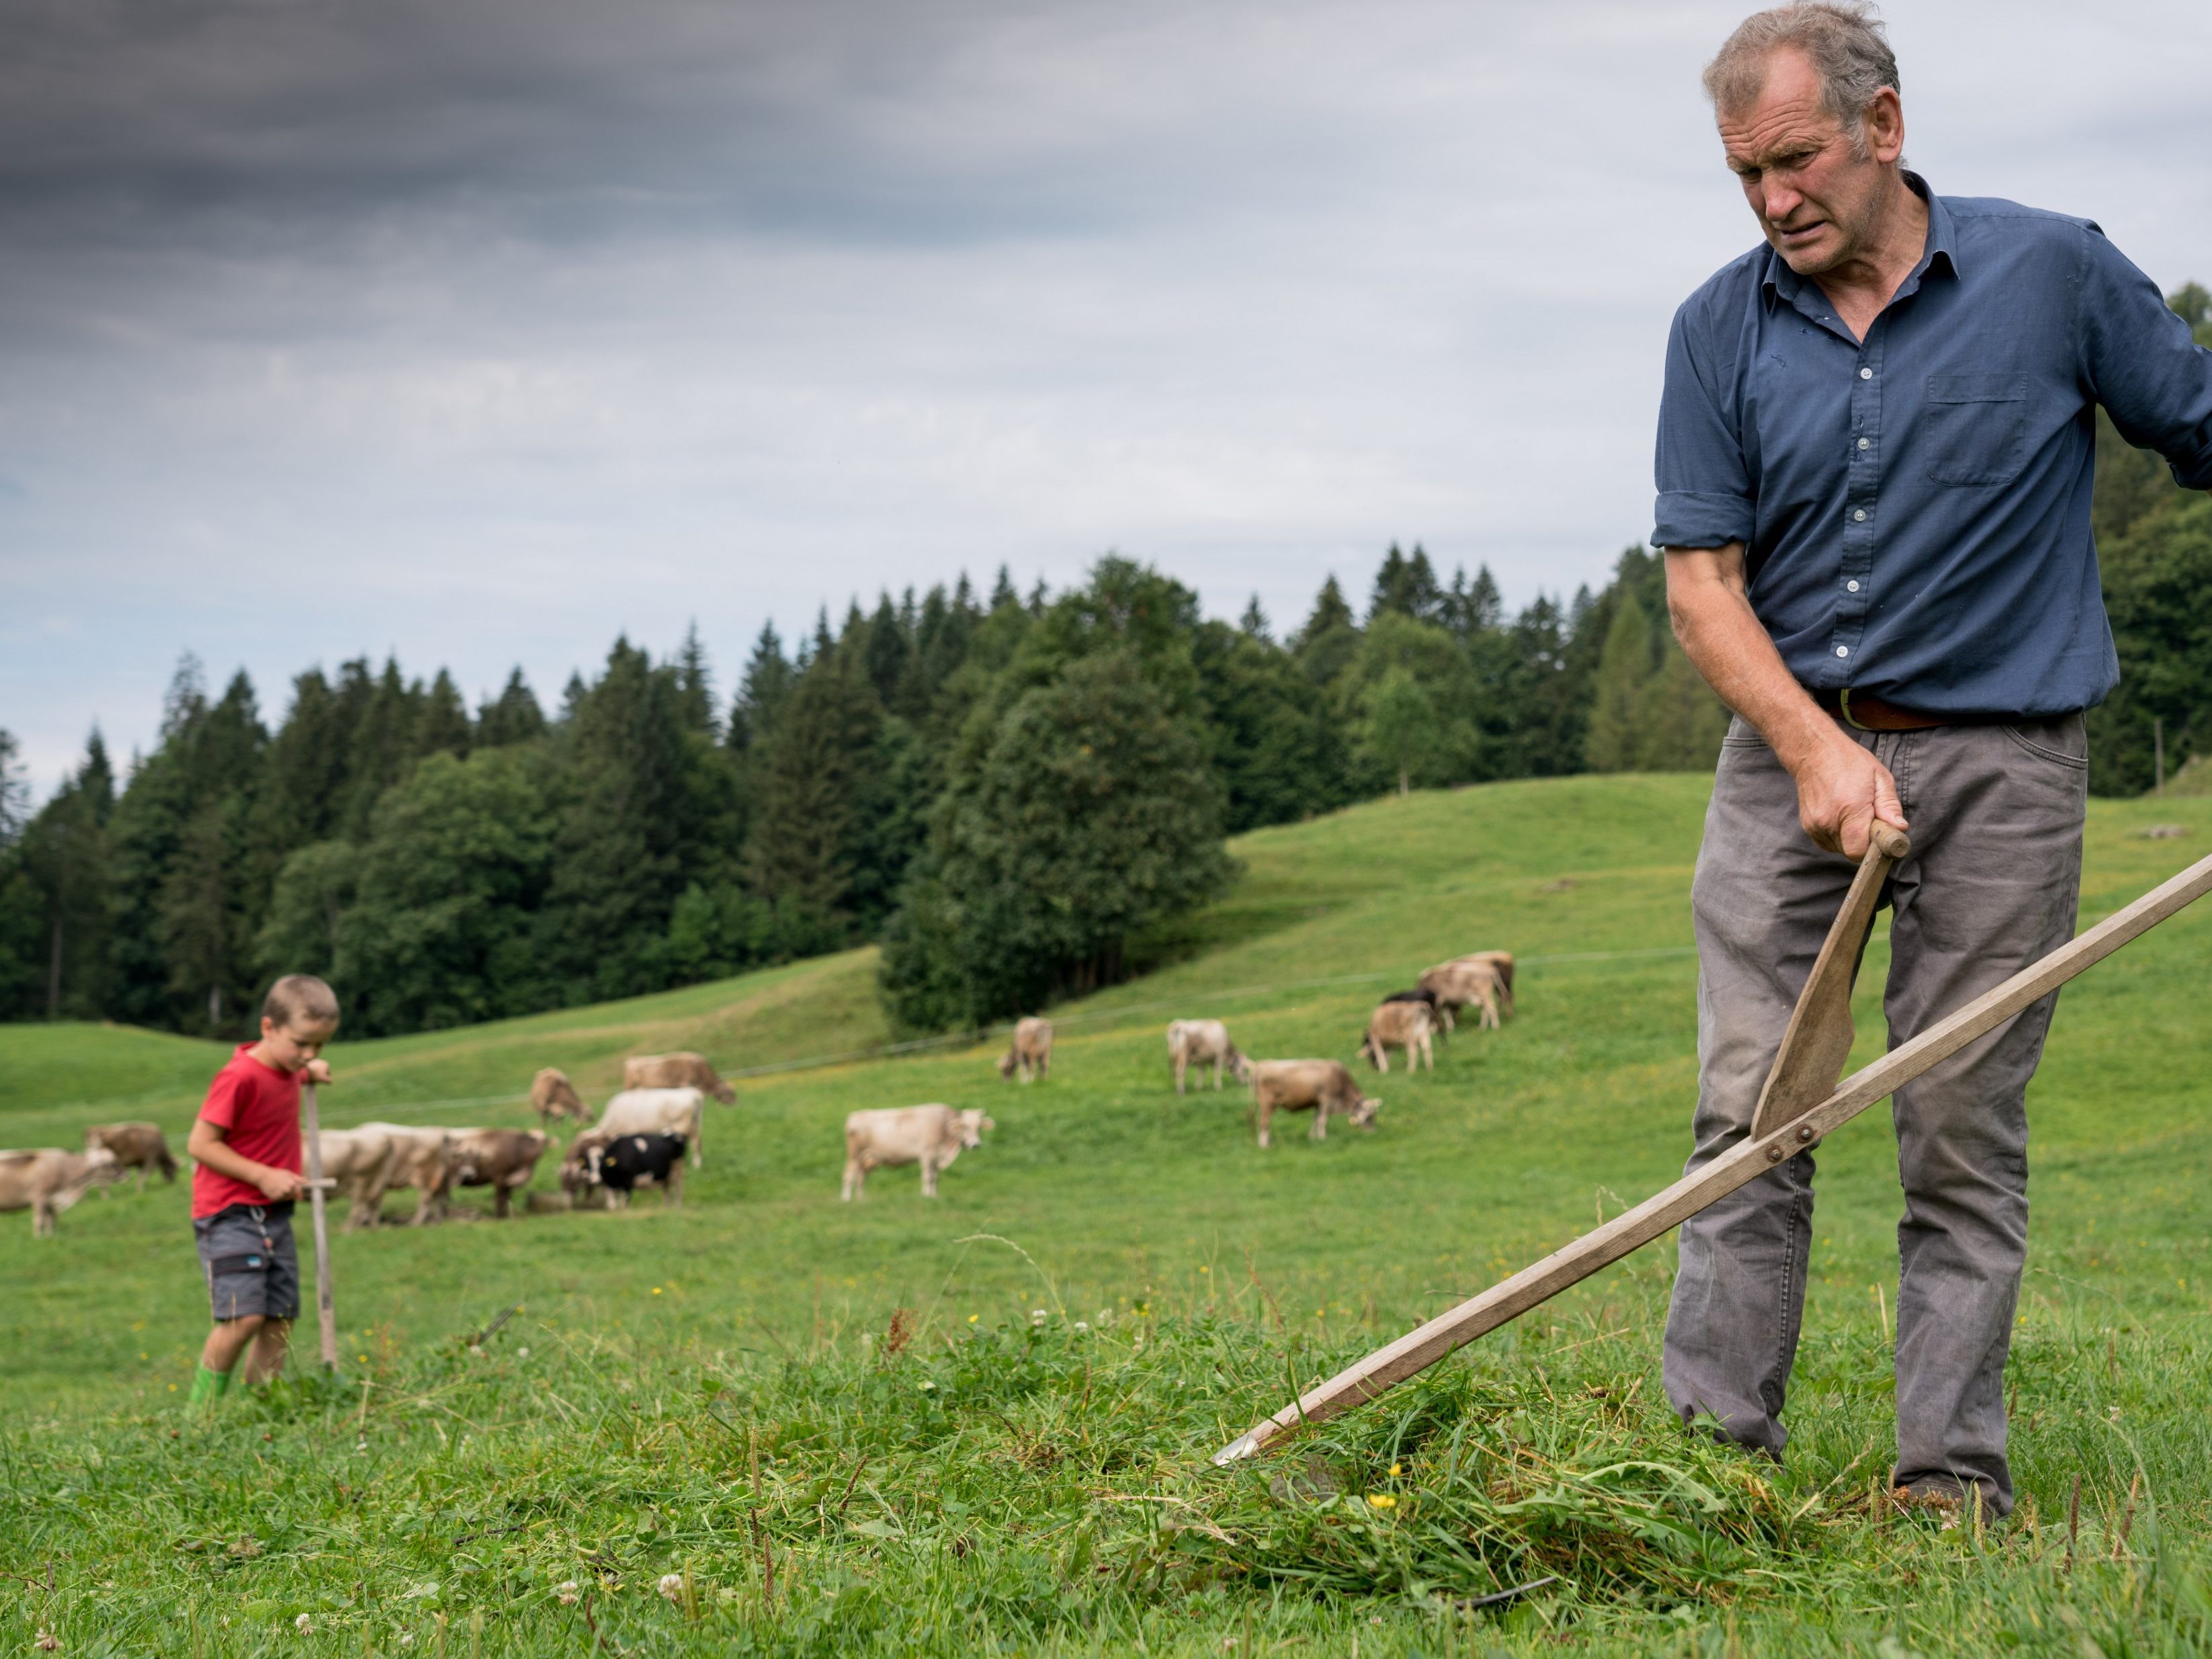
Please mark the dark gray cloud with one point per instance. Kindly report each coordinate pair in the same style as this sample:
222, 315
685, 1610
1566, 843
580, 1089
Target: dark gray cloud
482, 329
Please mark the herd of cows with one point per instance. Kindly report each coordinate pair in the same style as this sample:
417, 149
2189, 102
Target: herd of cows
647, 1132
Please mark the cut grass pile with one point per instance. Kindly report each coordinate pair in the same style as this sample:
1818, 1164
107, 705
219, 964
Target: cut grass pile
715, 1395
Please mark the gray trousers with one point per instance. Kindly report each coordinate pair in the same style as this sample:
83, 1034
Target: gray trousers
1991, 884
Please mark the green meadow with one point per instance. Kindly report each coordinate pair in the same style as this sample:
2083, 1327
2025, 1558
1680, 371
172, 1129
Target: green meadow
773, 1422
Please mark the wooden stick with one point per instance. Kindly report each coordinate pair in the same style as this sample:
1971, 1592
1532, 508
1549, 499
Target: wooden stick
1817, 1042
324, 1309
1740, 1164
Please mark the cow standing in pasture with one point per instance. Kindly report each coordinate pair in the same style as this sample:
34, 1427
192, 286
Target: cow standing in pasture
422, 1159
1203, 1042
657, 1112
1324, 1087
1031, 1054
140, 1146
932, 1136
1458, 985
1404, 1025
616, 1166
678, 1071
501, 1159
357, 1162
48, 1181
1500, 962
551, 1095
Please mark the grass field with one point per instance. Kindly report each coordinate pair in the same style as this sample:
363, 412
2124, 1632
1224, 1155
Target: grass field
1114, 1285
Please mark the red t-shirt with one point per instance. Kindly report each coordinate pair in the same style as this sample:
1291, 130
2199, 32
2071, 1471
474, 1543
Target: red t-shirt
258, 1107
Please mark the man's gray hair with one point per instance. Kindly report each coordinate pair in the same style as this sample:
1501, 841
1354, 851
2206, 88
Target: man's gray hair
1843, 39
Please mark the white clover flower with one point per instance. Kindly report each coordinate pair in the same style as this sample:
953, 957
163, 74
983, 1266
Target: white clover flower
48, 1642
1082, 1325
566, 1589
304, 1624
1038, 1315
672, 1586
522, 1353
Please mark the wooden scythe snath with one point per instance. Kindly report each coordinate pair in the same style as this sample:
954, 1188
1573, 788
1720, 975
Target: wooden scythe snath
1802, 1102
325, 1309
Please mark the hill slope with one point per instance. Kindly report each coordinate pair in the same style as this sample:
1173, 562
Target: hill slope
1100, 1190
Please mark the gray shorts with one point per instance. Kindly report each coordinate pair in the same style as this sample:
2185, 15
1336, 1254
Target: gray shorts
251, 1265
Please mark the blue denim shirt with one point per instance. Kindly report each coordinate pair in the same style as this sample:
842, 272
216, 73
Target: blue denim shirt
1915, 507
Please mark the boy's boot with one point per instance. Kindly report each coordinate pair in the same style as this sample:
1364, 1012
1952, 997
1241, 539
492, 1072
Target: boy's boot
208, 1386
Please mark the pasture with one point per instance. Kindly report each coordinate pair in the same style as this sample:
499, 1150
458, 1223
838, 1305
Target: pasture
982, 1424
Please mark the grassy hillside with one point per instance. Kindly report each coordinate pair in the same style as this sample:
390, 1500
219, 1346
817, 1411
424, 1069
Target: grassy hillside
1007, 1458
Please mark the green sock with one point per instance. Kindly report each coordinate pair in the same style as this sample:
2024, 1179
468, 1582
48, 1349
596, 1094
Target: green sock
208, 1385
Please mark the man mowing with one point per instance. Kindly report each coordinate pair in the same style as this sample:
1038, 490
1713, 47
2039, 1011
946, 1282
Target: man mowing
1875, 459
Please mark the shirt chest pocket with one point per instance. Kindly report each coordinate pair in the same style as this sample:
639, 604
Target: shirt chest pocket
1977, 428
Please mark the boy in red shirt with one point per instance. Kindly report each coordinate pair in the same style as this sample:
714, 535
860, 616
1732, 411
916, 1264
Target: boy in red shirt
246, 1144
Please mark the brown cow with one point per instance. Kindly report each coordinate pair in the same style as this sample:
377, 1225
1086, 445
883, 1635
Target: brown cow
1463, 985
140, 1146
551, 1095
501, 1159
48, 1181
358, 1162
1501, 963
1324, 1087
421, 1158
1402, 1024
678, 1071
1203, 1042
1031, 1054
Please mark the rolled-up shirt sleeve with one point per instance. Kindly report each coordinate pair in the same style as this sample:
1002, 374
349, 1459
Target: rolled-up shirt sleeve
2141, 363
1704, 483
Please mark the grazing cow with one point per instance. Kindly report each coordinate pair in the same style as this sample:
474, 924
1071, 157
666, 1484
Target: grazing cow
1204, 1043
1501, 963
1324, 1087
1032, 1051
501, 1159
657, 1112
608, 1167
932, 1136
1428, 999
140, 1146
358, 1162
680, 1071
1402, 1024
422, 1159
48, 1181
551, 1095
1464, 985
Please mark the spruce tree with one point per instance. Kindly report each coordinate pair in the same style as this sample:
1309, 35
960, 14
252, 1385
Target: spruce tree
513, 718
441, 721
761, 691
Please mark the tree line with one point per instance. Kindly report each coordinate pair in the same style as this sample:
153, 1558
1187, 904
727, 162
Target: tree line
1018, 796
1008, 791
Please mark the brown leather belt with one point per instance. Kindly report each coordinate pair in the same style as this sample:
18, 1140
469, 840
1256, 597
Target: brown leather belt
1868, 713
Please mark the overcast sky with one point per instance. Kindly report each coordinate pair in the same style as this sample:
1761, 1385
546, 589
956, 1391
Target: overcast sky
481, 329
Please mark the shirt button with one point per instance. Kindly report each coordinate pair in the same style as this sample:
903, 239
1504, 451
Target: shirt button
1864, 444
1843, 651
1866, 375
1851, 586
1859, 516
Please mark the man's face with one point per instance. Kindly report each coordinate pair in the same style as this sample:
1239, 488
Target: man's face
1815, 199
293, 1044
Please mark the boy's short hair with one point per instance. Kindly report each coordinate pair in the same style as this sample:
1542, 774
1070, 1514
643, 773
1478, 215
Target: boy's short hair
302, 999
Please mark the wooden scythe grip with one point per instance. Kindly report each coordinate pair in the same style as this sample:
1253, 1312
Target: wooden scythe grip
1817, 1042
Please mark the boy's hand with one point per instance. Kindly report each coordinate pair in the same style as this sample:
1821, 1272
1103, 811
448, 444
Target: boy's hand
318, 1070
280, 1184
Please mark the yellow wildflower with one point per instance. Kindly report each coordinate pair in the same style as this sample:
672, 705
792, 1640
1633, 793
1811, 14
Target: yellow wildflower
1382, 1500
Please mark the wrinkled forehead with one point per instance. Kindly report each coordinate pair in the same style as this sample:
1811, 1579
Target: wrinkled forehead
1786, 115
